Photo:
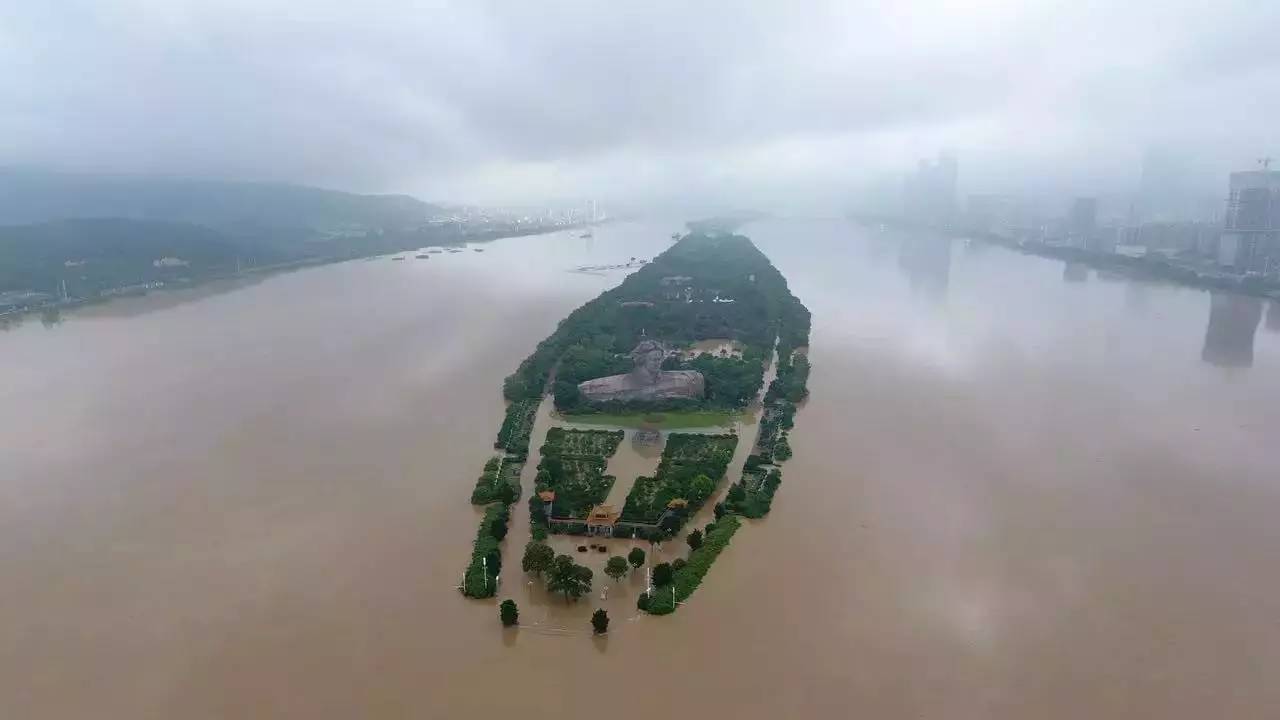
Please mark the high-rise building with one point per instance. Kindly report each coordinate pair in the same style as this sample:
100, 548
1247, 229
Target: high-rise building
1251, 225
929, 196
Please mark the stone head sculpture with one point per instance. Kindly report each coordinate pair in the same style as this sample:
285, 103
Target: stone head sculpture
648, 356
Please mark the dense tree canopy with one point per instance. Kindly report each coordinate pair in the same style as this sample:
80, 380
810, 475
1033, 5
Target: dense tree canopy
705, 286
537, 557
662, 574
480, 579
636, 557
508, 613
566, 576
616, 567
600, 621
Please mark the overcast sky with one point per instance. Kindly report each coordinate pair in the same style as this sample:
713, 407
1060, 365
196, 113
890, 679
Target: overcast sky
781, 104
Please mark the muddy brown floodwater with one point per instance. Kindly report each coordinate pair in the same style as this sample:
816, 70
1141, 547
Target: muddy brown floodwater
1019, 491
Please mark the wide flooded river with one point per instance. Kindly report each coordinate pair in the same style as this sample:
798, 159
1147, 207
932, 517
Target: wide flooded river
1019, 490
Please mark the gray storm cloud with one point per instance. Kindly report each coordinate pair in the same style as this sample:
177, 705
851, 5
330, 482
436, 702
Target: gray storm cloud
649, 102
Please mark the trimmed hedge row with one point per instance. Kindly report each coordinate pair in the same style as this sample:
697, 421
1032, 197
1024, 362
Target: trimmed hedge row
778, 417
500, 481
499, 484
688, 578
792, 380
480, 580
754, 499
517, 426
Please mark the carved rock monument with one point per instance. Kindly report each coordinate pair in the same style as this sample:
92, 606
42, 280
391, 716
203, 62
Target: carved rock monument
648, 381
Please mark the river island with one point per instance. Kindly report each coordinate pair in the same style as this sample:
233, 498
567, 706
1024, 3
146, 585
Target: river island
689, 337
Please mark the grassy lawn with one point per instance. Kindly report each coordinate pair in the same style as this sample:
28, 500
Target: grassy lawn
676, 420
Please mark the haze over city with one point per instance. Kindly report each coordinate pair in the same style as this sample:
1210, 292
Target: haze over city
808, 107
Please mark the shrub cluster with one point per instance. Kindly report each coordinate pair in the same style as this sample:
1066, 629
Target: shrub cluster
499, 482
753, 495
516, 428
480, 580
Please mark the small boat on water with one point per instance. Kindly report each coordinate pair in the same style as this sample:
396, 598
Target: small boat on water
478, 249
398, 257
587, 234
423, 257
675, 236
435, 251
454, 250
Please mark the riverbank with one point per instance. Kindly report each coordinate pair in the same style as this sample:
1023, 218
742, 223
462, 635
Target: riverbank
16, 314
1148, 267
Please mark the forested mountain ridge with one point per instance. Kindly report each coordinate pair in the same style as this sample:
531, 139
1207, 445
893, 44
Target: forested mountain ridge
92, 255
36, 196
86, 235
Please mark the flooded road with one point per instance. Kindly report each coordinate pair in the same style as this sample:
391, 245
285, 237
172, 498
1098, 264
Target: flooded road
1019, 490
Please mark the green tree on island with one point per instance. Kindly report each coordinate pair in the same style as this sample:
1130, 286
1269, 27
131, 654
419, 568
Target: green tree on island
508, 612
566, 394
782, 449
569, 578
499, 529
700, 488
600, 621
694, 539
506, 493
662, 573
636, 557
616, 567
537, 557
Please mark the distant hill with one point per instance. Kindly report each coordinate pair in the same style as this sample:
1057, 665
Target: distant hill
35, 196
92, 255
96, 236
99, 232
